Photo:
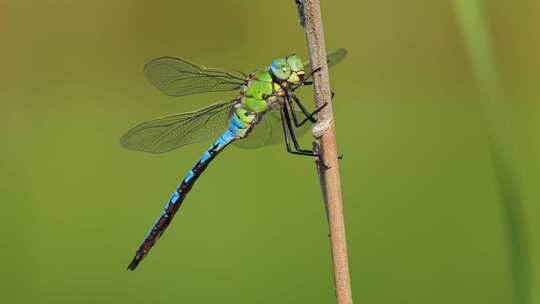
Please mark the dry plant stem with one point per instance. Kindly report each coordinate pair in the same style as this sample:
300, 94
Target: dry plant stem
324, 131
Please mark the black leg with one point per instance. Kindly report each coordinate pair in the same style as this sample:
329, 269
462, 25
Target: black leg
315, 71
302, 108
304, 111
310, 76
287, 131
290, 128
309, 116
306, 83
292, 134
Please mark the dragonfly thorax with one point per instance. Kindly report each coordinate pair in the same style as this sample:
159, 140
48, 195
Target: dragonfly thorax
257, 90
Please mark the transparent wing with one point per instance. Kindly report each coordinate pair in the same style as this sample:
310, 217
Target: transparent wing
269, 131
171, 132
332, 59
180, 77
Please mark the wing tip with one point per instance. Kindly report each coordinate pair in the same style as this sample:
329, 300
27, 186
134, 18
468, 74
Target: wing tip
343, 50
123, 141
157, 59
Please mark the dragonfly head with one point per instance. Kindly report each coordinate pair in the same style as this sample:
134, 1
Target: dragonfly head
289, 69
297, 69
280, 69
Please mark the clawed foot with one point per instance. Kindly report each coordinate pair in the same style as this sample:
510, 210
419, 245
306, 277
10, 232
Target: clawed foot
325, 166
321, 163
315, 71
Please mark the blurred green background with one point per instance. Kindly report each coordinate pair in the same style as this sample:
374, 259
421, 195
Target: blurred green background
424, 219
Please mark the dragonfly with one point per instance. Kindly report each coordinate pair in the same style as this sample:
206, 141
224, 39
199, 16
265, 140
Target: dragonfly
265, 111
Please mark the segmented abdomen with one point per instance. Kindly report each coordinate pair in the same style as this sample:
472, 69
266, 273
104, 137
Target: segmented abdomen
237, 128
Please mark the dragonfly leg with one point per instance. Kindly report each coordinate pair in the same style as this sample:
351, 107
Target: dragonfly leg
286, 134
302, 108
289, 134
306, 83
309, 116
315, 71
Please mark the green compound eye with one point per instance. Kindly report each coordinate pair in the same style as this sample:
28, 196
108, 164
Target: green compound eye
281, 69
295, 63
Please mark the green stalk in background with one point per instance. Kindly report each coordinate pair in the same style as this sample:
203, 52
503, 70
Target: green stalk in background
473, 21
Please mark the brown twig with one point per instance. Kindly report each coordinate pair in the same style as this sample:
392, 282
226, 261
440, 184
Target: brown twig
325, 133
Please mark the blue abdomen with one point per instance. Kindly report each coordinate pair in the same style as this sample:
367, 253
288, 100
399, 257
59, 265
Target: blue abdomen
239, 123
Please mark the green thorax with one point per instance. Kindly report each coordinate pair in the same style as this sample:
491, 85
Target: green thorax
257, 90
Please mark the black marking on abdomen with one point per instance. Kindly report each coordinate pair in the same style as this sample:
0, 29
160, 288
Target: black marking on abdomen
172, 207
